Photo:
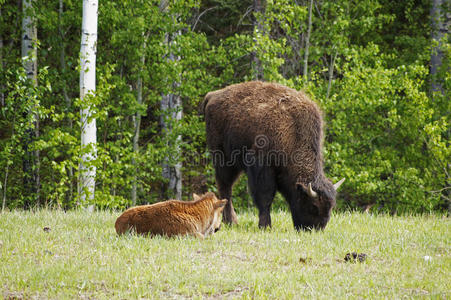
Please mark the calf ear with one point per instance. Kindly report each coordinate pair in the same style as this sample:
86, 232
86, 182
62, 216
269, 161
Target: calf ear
196, 197
220, 203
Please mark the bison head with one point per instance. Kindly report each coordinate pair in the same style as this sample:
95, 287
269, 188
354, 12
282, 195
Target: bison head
312, 208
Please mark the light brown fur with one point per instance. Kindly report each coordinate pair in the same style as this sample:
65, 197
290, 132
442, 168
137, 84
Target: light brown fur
200, 217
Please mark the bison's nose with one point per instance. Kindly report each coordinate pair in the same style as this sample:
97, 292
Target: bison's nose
216, 229
304, 227
310, 227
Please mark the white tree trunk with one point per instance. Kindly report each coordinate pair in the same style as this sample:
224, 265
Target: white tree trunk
437, 35
29, 35
259, 30
63, 57
307, 41
136, 125
29, 61
171, 108
331, 73
440, 22
4, 188
70, 170
137, 121
2, 102
2, 94
88, 87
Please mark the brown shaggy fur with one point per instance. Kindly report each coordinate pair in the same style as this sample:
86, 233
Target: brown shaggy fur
200, 217
284, 129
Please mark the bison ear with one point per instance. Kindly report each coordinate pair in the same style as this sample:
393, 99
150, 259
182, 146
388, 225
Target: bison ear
196, 197
220, 203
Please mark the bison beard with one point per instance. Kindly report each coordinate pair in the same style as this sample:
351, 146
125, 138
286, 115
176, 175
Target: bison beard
274, 134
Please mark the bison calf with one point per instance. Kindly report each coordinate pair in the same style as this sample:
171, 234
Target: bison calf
200, 217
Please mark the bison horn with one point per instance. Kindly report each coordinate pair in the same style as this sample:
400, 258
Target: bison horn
337, 185
311, 192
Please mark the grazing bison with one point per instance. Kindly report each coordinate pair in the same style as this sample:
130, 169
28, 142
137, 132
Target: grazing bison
274, 134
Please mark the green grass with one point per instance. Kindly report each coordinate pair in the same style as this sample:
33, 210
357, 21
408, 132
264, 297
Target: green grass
82, 257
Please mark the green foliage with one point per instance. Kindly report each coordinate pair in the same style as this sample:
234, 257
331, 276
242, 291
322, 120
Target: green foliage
22, 108
378, 134
368, 63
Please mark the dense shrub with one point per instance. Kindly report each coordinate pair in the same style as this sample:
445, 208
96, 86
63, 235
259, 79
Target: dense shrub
367, 67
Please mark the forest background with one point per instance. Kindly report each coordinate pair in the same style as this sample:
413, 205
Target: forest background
380, 70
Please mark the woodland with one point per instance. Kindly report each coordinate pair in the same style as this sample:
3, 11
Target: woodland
380, 70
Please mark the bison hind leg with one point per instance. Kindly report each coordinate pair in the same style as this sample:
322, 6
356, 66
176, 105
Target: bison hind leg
262, 183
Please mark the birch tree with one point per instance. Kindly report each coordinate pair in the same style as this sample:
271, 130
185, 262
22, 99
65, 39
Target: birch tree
307, 41
437, 35
67, 99
331, 73
440, 20
2, 94
87, 90
29, 35
29, 60
171, 109
259, 30
137, 119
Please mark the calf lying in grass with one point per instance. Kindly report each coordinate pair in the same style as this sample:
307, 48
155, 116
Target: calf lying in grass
199, 217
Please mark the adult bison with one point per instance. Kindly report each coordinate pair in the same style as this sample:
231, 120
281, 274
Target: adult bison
274, 134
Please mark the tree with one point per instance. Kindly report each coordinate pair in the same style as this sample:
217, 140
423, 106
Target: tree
64, 88
87, 90
307, 41
440, 21
259, 30
2, 94
171, 114
439, 27
137, 119
29, 60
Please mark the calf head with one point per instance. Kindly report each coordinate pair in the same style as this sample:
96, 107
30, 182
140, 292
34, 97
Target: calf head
218, 206
216, 214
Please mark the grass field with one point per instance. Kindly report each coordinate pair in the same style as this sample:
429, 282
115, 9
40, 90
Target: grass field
79, 255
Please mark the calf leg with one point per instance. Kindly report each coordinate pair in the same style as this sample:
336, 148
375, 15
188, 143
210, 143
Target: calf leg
199, 235
225, 177
262, 184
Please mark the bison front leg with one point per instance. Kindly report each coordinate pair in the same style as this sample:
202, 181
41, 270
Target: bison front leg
225, 177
